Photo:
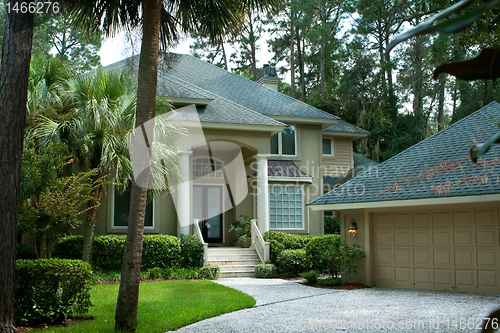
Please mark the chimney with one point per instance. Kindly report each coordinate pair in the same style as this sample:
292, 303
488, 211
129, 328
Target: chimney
268, 78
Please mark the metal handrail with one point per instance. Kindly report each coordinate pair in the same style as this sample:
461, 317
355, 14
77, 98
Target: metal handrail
258, 243
198, 235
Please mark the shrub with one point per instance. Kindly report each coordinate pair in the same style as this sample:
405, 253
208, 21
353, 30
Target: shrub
155, 273
161, 251
275, 248
182, 273
107, 254
332, 225
280, 241
69, 247
50, 290
292, 261
210, 272
330, 282
191, 252
266, 270
100, 277
332, 254
24, 251
311, 276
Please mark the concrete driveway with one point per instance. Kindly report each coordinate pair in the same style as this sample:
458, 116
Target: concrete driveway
288, 306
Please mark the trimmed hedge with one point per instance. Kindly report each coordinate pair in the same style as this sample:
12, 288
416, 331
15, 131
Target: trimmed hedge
191, 252
158, 251
318, 247
210, 272
293, 262
266, 270
282, 241
50, 290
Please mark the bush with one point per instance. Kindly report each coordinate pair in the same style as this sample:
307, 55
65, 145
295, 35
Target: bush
332, 225
311, 276
155, 273
50, 290
280, 241
69, 247
330, 282
161, 251
266, 270
332, 254
191, 252
182, 273
107, 254
210, 272
292, 262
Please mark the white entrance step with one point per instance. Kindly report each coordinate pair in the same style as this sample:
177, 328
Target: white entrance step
234, 261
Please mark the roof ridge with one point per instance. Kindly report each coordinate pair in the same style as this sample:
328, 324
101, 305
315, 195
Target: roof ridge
242, 78
191, 86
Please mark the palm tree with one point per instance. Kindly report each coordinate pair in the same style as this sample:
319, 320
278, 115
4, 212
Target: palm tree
161, 22
97, 129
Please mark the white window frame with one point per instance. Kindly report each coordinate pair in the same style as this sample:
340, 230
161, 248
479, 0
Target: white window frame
331, 145
280, 143
111, 213
302, 189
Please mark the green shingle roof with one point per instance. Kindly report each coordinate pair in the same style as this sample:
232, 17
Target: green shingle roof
344, 127
436, 167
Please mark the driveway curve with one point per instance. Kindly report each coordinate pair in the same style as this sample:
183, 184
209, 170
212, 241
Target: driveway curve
289, 306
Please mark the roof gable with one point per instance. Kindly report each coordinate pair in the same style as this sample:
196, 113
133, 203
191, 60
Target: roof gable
436, 167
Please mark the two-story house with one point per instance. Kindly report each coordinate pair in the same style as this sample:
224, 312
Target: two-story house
295, 143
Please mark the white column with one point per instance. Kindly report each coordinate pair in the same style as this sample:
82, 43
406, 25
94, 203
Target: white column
262, 193
184, 195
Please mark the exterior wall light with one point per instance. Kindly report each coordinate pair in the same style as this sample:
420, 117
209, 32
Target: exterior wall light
353, 228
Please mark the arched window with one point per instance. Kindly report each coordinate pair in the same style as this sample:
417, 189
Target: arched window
207, 167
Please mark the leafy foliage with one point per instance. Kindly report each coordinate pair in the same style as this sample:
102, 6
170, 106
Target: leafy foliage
210, 272
311, 276
191, 252
332, 225
293, 262
50, 203
50, 290
330, 282
241, 228
266, 270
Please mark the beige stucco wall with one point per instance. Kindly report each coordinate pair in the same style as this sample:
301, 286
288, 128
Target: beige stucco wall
341, 162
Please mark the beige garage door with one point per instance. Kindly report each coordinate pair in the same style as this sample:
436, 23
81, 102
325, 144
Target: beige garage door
455, 249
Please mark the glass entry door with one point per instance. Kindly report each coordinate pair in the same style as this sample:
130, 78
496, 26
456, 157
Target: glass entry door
207, 208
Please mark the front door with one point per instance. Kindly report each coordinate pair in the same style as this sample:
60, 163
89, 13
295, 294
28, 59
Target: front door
207, 208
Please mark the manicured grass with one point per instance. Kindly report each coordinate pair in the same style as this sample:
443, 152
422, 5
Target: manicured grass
163, 306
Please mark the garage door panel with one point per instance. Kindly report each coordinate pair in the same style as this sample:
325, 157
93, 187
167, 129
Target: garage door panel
421, 219
382, 220
402, 237
442, 238
422, 276
403, 275
383, 237
384, 256
465, 258
422, 257
441, 219
465, 278
443, 277
443, 258
463, 218
385, 274
402, 220
464, 237
422, 238
487, 279
486, 237
403, 257
487, 258
487, 217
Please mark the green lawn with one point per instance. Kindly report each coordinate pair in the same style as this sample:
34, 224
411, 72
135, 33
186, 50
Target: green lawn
163, 306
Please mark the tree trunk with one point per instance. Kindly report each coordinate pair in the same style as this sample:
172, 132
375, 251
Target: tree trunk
322, 50
292, 51
442, 84
301, 68
128, 295
16, 56
88, 236
253, 46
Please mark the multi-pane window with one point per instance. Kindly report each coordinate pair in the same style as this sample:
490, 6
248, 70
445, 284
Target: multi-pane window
286, 207
284, 143
207, 167
327, 147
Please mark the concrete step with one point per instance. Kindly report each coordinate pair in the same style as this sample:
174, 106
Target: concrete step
230, 250
237, 268
212, 257
226, 261
236, 274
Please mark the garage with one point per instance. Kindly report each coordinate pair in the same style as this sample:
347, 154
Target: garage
452, 249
